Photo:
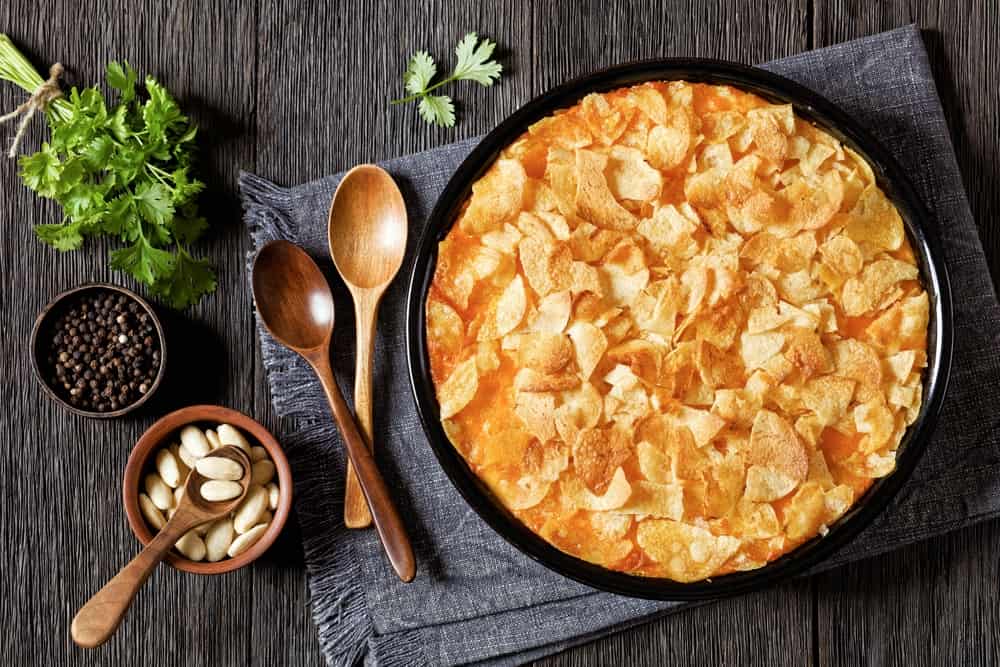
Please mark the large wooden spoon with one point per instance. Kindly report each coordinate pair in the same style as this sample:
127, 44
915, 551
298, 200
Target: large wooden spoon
99, 618
367, 234
295, 304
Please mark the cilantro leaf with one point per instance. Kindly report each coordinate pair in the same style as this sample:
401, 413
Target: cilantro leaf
127, 172
419, 72
122, 79
474, 62
146, 263
62, 237
438, 110
191, 279
152, 200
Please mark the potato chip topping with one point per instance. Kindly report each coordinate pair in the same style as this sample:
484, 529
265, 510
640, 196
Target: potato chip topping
677, 330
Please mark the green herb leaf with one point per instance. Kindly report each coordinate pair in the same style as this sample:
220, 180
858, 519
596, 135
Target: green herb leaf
419, 72
124, 172
122, 79
474, 62
437, 109
146, 263
61, 237
191, 279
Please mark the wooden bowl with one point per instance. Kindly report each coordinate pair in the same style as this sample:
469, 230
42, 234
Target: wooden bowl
40, 335
166, 431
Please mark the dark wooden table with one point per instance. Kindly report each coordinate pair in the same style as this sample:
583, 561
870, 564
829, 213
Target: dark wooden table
293, 91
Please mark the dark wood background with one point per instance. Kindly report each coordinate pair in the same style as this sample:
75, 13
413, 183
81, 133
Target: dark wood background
293, 91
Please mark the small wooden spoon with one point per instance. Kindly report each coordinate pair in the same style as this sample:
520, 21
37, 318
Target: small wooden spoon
99, 618
294, 302
367, 234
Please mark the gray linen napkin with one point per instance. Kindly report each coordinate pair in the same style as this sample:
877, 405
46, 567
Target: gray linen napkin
477, 599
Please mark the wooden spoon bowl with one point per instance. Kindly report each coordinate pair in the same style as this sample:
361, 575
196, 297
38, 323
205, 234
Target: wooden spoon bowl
164, 432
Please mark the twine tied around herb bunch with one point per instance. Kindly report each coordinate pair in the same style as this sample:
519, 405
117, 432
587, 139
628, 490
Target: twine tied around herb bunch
46, 93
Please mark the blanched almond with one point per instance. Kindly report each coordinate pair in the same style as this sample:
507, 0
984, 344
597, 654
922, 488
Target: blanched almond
215, 490
219, 467
229, 435
182, 465
152, 514
245, 541
218, 538
161, 494
249, 511
194, 441
263, 472
257, 453
191, 546
167, 466
273, 494
186, 457
213, 439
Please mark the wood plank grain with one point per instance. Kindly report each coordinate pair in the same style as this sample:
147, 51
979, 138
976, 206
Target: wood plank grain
64, 530
936, 602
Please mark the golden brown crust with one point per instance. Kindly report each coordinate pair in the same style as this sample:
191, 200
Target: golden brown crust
677, 331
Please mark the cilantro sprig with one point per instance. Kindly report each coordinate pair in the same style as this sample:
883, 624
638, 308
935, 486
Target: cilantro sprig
122, 172
474, 64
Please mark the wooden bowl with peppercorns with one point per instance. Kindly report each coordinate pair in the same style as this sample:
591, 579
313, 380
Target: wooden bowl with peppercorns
98, 350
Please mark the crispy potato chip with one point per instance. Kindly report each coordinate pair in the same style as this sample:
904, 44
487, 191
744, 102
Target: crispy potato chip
445, 329
530, 224
594, 201
581, 409
858, 361
901, 364
875, 220
756, 349
806, 512
655, 307
503, 240
828, 397
688, 553
703, 424
546, 353
547, 266
460, 388
590, 344
598, 453
545, 464
667, 146
510, 308
874, 419
630, 177
842, 255
774, 443
806, 352
655, 500
670, 232
603, 120
530, 380
863, 293
814, 202
536, 412
718, 368
654, 463
765, 484
837, 501
576, 494
553, 313
496, 197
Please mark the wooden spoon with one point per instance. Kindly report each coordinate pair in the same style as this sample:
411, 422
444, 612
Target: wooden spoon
367, 234
294, 302
99, 618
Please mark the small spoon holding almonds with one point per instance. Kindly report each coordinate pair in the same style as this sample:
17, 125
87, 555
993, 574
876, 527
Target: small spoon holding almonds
215, 487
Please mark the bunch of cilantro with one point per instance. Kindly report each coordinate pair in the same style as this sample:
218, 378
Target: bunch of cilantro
124, 172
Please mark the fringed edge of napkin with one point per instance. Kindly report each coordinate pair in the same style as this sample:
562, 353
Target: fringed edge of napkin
344, 626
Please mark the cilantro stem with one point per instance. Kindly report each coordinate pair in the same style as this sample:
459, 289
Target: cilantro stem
424, 92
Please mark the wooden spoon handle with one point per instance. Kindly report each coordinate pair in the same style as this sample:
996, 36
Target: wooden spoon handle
356, 514
99, 618
387, 520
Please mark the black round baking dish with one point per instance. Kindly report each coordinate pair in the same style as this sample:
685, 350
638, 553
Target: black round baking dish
808, 105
